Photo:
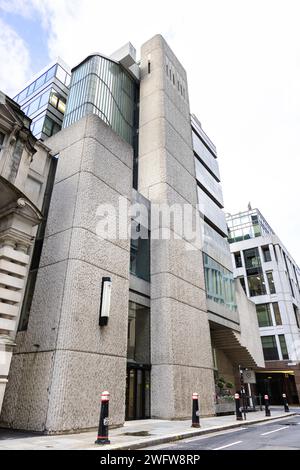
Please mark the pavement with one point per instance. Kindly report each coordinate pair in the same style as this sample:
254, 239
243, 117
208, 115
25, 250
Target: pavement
135, 434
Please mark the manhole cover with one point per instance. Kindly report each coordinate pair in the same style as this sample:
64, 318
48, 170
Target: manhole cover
137, 433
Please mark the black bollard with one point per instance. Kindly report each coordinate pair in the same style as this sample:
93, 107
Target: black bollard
267, 406
102, 437
195, 411
285, 403
238, 410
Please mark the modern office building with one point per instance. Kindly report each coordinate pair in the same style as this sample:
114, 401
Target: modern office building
24, 167
44, 98
270, 278
174, 320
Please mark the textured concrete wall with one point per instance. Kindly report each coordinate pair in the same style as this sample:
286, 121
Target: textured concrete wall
64, 360
250, 337
180, 342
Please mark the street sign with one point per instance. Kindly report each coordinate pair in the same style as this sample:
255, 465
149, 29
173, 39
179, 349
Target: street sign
249, 376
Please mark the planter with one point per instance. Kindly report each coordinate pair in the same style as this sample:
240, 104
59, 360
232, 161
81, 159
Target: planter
225, 408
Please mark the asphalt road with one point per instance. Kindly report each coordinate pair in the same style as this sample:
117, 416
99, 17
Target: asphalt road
283, 434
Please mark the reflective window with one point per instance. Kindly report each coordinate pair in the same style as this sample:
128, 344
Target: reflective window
256, 285
37, 126
57, 101
238, 259
242, 281
140, 254
138, 343
50, 127
271, 282
264, 315
40, 81
102, 87
219, 283
277, 314
266, 253
252, 261
44, 98
2, 137
50, 73
269, 348
283, 347
34, 106
297, 317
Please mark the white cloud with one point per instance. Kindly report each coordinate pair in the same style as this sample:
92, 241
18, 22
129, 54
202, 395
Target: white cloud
15, 60
243, 64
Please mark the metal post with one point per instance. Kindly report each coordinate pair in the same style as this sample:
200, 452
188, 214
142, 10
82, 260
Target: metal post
102, 437
267, 408
260, 402
238, 410
195, 411
285, 403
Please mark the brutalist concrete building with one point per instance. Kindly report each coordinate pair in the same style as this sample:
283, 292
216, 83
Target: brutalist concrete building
172, 319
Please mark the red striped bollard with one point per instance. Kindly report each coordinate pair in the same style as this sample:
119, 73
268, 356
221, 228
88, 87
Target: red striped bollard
195, 411
267, 406
238, 410
102, 437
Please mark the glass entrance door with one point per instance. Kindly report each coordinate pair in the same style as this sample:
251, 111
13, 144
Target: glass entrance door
137, 393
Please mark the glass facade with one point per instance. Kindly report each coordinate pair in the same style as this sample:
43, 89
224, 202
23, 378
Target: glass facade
269, 348
138, 344
219, 283
271, 282
55, 71
140, 253
44, 101
283, 346
246, 225
255, 277
264, 315
102, 87
277, 314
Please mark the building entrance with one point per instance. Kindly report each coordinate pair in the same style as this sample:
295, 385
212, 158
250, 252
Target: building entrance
275, 384
137, 392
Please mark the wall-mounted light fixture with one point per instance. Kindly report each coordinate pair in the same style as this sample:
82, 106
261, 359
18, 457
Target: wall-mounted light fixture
105, 301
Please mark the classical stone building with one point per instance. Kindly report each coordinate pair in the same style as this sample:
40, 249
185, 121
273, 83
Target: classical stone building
24, 168
177, 321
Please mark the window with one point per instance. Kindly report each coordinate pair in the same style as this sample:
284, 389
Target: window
61, 74
40, 81
2, 137
256, 285
264, 315
34, 106
271, 282
37, 126
50, 127
242, 281
57, 101
140, 254
44, 98
50, 73
269, 348
284, 351
296, 312
266, 254
277, 314
219, 283
252, 261
238, 259
138, 343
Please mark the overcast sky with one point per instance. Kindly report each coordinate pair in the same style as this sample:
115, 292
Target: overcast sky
243, 64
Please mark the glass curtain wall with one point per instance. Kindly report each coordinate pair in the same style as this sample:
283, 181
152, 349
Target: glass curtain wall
219, 283
102, 87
